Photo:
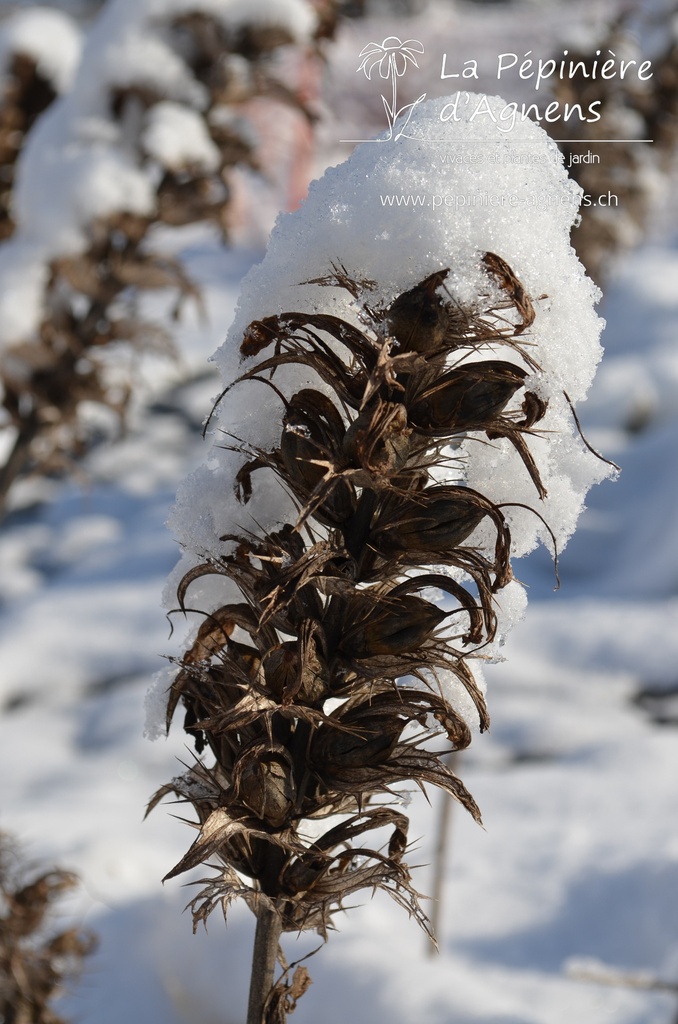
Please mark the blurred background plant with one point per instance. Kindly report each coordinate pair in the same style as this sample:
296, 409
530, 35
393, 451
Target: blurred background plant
39, 51
643, 115
37, 958
165, 106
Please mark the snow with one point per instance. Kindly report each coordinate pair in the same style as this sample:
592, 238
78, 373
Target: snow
177, 137
49, 36
92, 175
297, 16
24, 277
578, 858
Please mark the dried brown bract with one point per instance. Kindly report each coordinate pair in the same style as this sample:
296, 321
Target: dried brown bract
318, 692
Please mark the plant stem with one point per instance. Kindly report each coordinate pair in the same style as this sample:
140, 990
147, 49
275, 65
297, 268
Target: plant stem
267, 935
440, 857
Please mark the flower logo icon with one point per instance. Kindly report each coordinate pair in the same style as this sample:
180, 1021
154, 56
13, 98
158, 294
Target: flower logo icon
391, 58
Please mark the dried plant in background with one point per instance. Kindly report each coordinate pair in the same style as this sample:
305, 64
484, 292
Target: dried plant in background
336, 606
632, 171
26, 91
659, 105
25, 95
37, 959
155, 147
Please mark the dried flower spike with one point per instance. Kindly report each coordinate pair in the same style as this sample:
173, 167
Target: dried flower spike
409, 456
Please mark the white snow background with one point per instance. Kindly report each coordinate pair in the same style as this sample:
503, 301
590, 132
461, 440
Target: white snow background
577, 779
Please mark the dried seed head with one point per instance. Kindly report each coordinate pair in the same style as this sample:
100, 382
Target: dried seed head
337, 604
357, 744
312, 435
36, 959
294, 675
365, 627
89, 299
311, 450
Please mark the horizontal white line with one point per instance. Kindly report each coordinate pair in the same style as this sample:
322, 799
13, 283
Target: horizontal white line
515, 142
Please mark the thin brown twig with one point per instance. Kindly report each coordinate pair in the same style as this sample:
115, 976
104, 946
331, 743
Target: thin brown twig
603, 974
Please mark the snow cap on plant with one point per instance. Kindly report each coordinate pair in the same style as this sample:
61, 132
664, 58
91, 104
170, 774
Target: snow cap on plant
396, 423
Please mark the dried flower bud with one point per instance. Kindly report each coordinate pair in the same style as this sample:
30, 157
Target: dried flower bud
418, 318
356, 744
310, 448
436, 520
312, 435
364, 627
263, 780
294, 676
466, 398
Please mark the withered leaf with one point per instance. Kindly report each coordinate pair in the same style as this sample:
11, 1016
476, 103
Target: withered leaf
284, 996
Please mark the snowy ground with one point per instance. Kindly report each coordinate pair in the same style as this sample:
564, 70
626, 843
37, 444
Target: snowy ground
576, 780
